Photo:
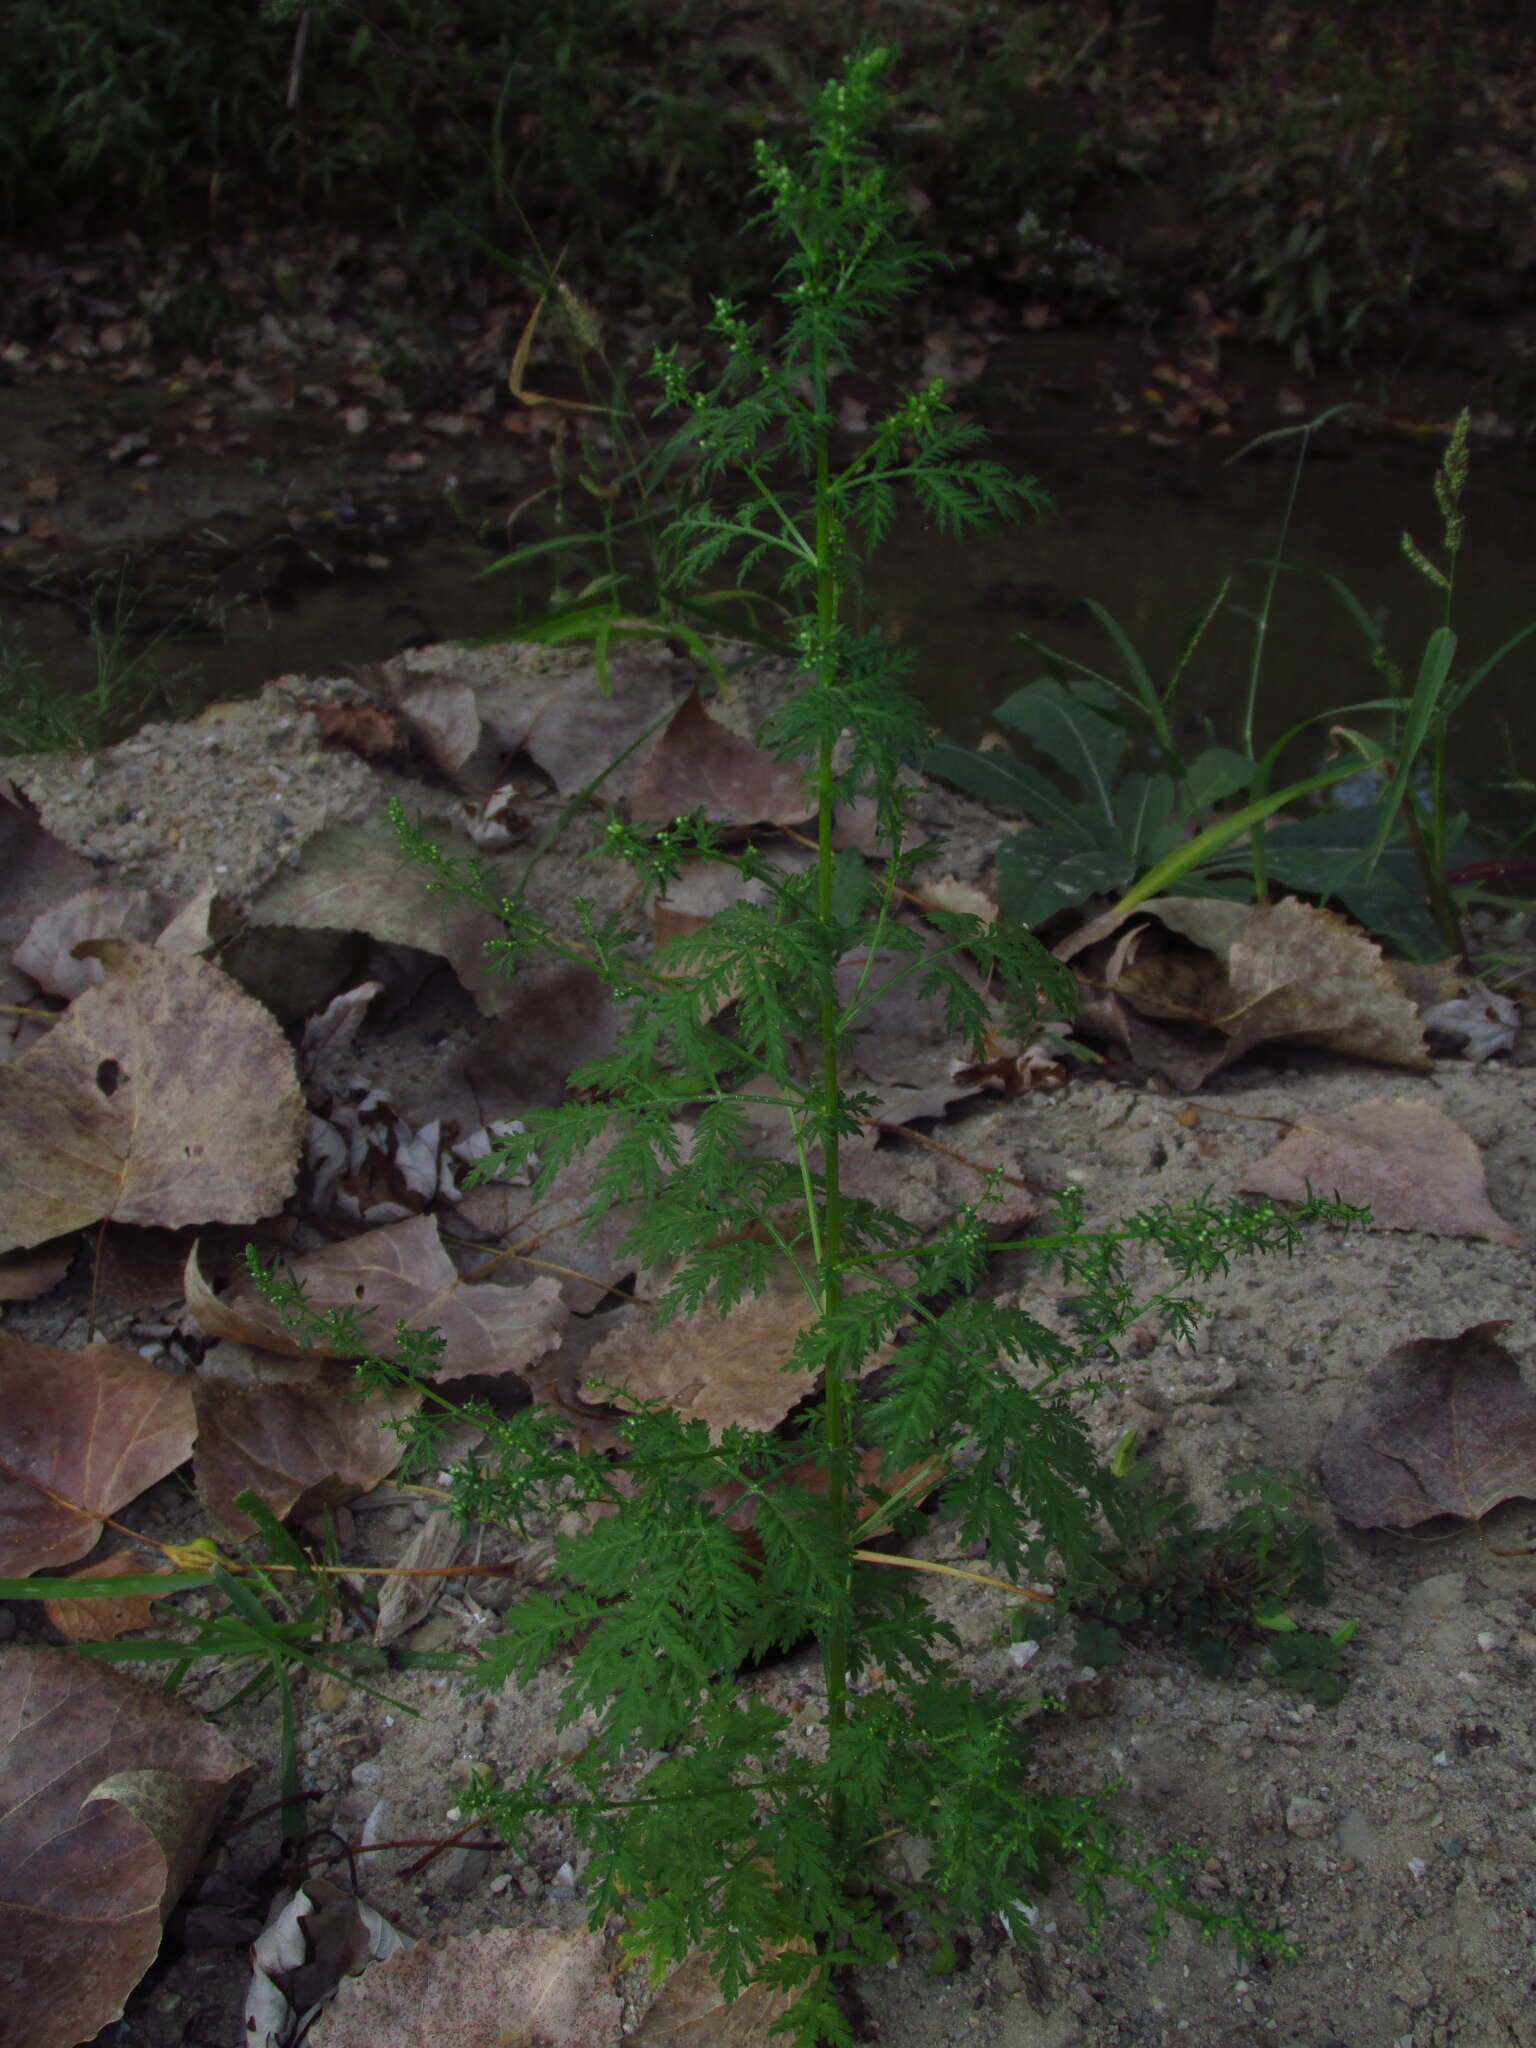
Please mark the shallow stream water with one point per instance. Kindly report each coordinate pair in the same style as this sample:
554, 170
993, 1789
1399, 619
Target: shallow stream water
1150, 533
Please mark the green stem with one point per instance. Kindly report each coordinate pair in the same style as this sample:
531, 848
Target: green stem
835, 1646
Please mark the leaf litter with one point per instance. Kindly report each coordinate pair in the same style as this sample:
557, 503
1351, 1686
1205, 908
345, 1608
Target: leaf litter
1446, 1427
108, 1792
289, 1426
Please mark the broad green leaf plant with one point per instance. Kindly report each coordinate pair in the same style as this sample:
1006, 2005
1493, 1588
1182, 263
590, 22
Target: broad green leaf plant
709, 1818
1206, 824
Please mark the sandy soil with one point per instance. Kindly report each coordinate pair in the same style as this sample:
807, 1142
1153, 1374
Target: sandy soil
1391, 1834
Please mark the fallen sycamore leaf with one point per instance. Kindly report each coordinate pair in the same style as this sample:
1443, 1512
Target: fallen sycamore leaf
690, 2011
37, 871
108, 1793
165, 1096
700, 764
404, 1275
81, 1434
722, 1369
290, 1429
507, 1988
1405, 1160
1447, 1427
1252, 973
26, 1275
115, 1614
355, 878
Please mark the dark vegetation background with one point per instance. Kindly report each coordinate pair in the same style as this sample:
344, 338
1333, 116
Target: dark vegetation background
1323, 170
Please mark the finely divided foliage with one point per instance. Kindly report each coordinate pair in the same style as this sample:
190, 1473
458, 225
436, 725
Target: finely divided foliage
709, 1819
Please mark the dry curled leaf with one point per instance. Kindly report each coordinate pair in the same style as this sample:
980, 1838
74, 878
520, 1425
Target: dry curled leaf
81, 1434
403, 1274
37, 871
1251, 973
108, 1793
574, 726
1447, 1427
445, 718
355, 878
25, 1275
47, 952
166, 1096
314, 1938
1404, 1160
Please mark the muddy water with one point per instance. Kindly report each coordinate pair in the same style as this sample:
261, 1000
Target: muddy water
1154, 550
1148, 532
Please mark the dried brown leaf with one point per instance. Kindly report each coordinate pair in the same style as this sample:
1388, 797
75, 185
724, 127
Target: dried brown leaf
560, 1014
37, 871
552, 1231
93, 1427
1406, 1160
24, 1015
291, 1429
1253, 973
574, 728
320, 1935
108, 1793
445, 717
328, 1048
722, 1369
115, 1614
407, 1599
512, 1987
355, 878
690, 2011
698, 763
216, 1317
1447, 1427
47, 951
26, 1275
166, 1096
403, 1273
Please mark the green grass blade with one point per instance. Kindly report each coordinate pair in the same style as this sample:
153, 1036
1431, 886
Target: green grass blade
1141, 682
1459, 696
1354, 607
153, 1585
1186, 858
286, 1548
1190, 642
1428, 691
562, 543
290, 1787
